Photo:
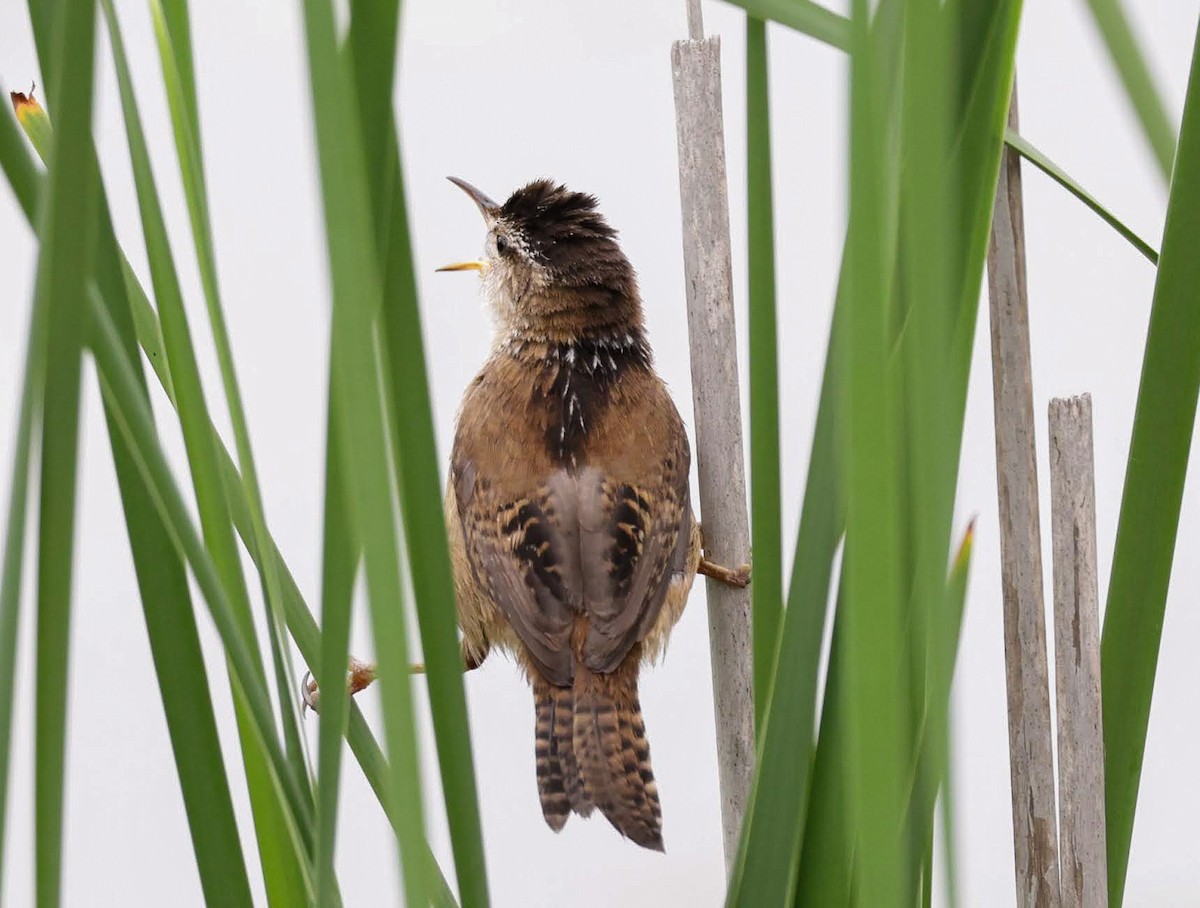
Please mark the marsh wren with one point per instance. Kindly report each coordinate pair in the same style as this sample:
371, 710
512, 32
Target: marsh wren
571, 530
571, 527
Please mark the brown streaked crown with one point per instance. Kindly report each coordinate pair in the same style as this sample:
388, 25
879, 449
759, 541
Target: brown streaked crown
563, 231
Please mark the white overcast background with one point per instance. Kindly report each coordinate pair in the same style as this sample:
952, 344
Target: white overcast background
500, 93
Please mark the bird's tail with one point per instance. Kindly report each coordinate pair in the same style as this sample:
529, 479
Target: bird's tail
603, 757
559, 784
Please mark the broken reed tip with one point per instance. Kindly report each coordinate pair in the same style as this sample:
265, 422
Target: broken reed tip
25, 104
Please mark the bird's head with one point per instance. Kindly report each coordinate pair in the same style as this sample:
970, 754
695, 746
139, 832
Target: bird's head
551, 265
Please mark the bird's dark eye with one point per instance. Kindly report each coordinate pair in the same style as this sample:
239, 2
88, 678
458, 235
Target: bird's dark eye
501, 245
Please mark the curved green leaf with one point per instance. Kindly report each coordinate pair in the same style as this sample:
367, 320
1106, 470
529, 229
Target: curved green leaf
1031, 154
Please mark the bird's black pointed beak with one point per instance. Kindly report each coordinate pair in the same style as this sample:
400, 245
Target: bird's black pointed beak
487, 207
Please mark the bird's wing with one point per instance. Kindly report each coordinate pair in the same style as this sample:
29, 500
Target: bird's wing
517, 550
630, 534
600, 541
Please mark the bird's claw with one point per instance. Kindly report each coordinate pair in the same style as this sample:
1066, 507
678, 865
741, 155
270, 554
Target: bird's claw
309, 693
735, 577
361, 674
740, 578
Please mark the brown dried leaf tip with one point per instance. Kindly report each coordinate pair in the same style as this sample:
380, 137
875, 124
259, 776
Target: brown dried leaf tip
25, 105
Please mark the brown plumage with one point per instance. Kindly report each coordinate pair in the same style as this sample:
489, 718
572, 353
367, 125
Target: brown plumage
571, 531
568, 509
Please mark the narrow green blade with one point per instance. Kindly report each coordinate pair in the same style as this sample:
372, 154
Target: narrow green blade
308, 639
354, 270
766, 519
23, 176
769, 850
1030, 153
182, 680
874, 700
429, 555
372, 43
987, 38
67, 234
180, 352
170, 625
1131, 65
174, 46
300, 622
929, 242
265, 758
171, 23
833, 29
14, 548
19, 168
931, 748
825, 871
171, 628
1150, 501
340, 559
282, 860
804, 16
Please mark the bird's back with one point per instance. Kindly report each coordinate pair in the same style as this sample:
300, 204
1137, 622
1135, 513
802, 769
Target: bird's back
570, 470
569, 477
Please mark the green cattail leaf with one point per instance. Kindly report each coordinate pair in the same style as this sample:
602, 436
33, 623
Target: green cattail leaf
283, 817
1152, 496
66, 231
356, 367
766, 518
372, 43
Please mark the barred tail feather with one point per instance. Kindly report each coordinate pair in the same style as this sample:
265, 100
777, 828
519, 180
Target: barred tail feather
641, 753
553, 709
564, 732
609, 746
